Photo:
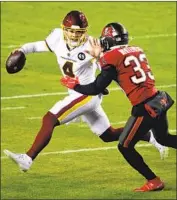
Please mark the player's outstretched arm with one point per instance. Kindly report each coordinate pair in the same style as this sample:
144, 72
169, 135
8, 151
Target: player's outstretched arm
98, 86
102, 81
16, 60
39, 46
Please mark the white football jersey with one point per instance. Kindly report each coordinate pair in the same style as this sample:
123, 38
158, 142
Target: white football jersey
75, 62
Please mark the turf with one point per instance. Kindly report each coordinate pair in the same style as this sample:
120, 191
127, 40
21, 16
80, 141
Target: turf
101, 174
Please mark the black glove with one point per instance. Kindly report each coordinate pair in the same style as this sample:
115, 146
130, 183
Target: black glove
105, 91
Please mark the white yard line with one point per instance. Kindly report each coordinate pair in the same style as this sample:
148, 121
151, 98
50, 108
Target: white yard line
85, 125
33, 118
160, 86
86, 149
83, 150
131, 38
65, 93
34, 95
89, 149
152, 36
12, 108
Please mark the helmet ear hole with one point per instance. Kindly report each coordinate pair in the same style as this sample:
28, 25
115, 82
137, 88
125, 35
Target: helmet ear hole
106, 43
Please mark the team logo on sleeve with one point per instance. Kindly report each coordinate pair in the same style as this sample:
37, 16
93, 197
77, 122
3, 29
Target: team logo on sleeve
81, 56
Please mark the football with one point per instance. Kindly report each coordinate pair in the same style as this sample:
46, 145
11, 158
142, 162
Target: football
15, 62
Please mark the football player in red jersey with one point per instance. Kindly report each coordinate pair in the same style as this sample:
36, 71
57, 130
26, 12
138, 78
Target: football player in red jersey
69, 44
128, 66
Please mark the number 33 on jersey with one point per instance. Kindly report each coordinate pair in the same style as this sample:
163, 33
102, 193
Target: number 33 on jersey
133, 72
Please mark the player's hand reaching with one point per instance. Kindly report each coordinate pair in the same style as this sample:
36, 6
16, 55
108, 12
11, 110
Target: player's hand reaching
95, 48
69, 82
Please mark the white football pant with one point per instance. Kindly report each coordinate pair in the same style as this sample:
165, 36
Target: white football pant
89, 107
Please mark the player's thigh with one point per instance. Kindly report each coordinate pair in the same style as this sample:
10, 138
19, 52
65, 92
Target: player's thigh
134, 129
73, 106
160, 127
97, 120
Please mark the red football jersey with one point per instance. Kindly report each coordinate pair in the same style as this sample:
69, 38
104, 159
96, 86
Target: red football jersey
134, 73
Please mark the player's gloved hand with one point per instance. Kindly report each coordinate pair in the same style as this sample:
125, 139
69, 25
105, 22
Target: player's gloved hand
69, 82
105, 91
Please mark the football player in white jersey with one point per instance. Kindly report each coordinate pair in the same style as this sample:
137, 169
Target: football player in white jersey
70, 44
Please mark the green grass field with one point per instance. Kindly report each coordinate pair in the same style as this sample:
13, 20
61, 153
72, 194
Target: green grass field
99, 174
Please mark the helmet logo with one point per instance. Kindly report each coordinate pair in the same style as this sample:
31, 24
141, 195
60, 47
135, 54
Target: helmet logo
82, 17
109, 32
81, 56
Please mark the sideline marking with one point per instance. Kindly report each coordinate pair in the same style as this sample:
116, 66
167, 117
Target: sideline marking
65, 93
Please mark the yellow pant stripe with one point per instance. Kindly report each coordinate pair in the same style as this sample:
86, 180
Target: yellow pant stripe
75, 107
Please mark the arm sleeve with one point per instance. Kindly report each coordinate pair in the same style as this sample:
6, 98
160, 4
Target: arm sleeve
53, 39
33, 47
101, 82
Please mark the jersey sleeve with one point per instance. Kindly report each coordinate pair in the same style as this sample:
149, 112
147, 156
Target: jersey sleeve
99, 85
108, 59
53, 38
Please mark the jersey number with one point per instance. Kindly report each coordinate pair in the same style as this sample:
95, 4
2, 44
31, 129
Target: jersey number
137, 68
68, 69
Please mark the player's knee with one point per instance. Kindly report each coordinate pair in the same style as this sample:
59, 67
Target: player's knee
125, 151
105, 139
46, 118
50, 119
105, 136
121, 148
110, 135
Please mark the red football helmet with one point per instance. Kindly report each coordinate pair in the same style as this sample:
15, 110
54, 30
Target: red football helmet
113, 34
75, 28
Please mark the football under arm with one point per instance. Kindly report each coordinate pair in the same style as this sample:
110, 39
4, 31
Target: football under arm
39, 46
99, 85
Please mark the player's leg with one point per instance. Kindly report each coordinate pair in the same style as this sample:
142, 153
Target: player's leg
161, 132
149, 137
62, 112
133, 131
99, 123
43, 137
112, 134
